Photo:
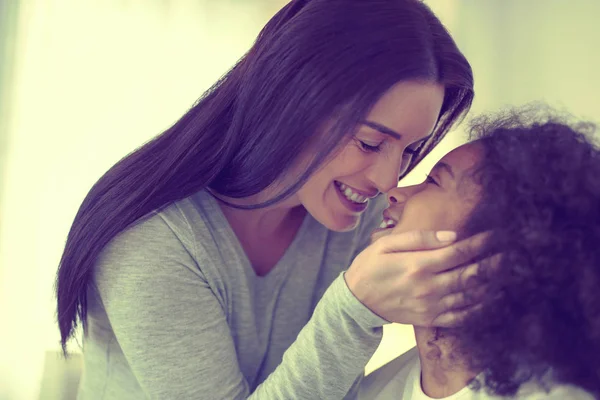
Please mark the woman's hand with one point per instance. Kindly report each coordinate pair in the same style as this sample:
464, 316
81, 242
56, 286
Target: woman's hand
416, 278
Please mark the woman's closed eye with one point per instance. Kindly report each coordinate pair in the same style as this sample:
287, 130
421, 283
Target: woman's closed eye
370, 147
376, 148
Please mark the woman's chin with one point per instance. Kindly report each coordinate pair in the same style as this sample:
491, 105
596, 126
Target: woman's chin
341, 223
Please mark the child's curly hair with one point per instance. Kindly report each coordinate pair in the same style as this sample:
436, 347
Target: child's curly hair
541, 201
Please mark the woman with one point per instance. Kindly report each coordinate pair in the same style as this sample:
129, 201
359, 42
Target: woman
201, 258
535, 186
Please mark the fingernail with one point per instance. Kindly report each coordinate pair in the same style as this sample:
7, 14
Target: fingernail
445, 236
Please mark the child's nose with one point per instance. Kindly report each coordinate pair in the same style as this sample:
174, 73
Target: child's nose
401, 194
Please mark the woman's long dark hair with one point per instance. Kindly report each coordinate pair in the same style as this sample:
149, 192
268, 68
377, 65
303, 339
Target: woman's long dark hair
315, 60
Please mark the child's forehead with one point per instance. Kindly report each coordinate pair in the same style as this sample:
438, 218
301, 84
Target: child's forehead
463, 158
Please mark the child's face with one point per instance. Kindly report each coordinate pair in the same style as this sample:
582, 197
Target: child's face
441, 202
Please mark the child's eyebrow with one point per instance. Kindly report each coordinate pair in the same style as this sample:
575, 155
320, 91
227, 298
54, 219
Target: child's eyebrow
445, 167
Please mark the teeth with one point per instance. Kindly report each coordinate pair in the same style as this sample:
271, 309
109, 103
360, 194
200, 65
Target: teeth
351, 195
387, 223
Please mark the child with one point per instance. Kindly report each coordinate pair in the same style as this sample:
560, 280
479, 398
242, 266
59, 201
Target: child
535, 330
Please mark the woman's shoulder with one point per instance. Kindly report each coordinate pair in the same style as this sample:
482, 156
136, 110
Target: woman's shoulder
185, 219
177, 229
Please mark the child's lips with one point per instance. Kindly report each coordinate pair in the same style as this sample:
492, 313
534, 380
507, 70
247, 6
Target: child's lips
387, 223
391, 216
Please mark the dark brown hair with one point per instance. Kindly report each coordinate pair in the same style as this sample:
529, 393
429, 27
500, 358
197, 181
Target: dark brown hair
540, 314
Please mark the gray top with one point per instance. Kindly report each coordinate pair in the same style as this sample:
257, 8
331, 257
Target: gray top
177, 312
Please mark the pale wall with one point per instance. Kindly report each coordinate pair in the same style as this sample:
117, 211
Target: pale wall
94, 79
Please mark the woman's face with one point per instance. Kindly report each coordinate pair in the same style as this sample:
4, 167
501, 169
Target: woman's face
374, 159
442, 202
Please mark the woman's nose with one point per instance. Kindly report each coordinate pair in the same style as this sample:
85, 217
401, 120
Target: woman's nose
386, 173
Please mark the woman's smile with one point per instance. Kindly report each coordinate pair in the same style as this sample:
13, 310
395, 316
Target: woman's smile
351, 198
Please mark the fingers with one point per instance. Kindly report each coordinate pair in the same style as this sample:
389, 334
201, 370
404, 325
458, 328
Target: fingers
460, 279
456, 280
492, 262
458, 253
464, 291
457, 301
415, 241
454, 318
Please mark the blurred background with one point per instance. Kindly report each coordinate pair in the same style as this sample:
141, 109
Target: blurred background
84, 82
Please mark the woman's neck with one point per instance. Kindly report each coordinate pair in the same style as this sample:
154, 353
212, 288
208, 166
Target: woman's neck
265, 233
442, 372
263, 223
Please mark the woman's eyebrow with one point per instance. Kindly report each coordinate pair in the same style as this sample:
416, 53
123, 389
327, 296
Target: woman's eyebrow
445, 167
383, 129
